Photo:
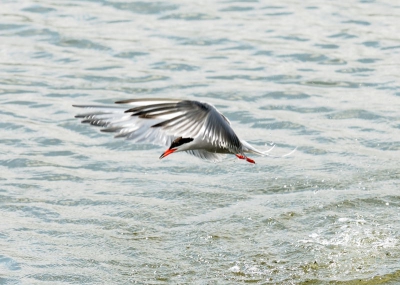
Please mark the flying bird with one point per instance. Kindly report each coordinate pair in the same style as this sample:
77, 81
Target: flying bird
197, 128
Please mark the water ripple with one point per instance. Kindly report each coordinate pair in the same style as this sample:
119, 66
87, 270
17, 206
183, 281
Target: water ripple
79, 207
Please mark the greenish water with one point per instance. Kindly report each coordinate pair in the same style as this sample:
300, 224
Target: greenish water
78, 207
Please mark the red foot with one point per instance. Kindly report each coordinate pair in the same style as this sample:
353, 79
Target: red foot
250, 160
240, 156
245, 157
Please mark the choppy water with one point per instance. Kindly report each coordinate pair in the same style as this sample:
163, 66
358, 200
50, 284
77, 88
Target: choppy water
78, 207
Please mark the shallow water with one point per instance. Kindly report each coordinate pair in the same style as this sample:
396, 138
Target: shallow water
79, 207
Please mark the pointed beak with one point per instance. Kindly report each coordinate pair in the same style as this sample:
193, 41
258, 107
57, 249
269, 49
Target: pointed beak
168, 152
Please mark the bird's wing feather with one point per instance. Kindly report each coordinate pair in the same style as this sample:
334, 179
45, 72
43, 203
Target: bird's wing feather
217, 131
160, 121
203, 154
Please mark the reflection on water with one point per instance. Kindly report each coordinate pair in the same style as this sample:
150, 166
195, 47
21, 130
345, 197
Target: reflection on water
79, 207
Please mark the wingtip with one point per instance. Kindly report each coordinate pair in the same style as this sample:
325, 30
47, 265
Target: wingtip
128, 101
122, 101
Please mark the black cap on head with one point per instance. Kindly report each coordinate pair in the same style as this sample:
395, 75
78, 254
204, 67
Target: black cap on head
180, 141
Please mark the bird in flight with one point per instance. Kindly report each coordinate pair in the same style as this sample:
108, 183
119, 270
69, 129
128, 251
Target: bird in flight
181, 125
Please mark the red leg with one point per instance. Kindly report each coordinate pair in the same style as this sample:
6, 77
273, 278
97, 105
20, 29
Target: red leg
245, 157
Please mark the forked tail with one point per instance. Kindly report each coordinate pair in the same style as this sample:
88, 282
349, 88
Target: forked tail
249, 148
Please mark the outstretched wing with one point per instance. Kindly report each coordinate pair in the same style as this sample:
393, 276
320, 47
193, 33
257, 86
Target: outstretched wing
203, 154
160, 121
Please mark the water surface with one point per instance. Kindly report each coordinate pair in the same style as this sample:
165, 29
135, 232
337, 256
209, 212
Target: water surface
78, 207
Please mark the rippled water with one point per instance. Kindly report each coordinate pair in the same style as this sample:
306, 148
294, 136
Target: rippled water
79, 207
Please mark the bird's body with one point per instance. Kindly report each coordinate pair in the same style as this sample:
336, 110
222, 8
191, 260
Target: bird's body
182, 125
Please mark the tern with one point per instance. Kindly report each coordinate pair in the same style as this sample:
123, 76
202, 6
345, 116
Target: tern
197, 128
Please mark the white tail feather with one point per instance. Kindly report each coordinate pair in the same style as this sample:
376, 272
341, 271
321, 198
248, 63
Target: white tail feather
251, 149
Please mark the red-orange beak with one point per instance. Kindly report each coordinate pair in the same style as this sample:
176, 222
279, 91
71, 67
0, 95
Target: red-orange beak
168, 152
